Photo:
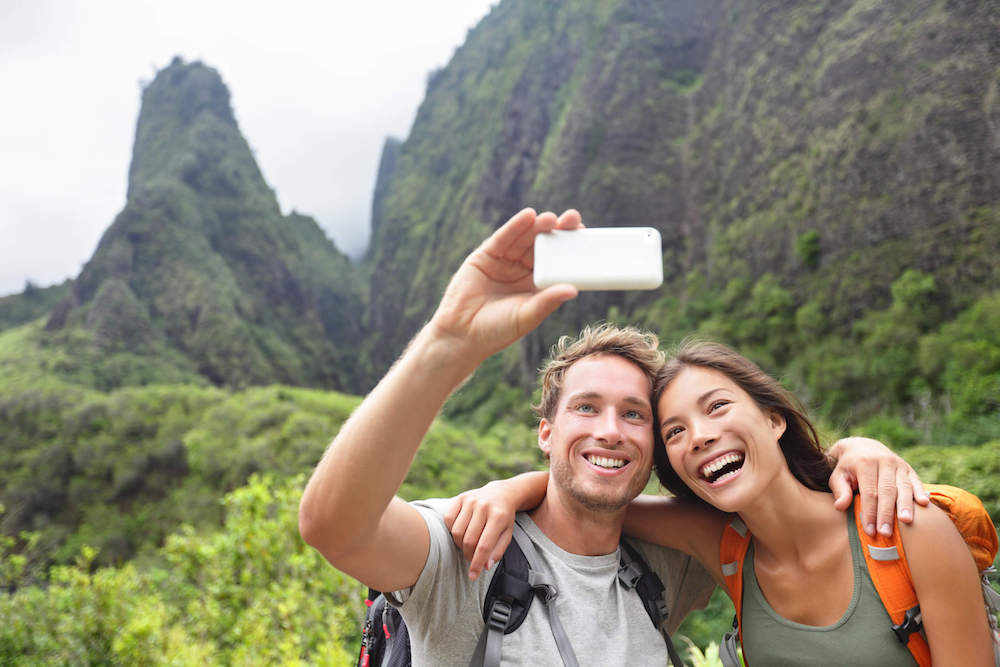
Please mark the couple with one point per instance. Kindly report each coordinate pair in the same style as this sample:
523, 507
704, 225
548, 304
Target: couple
598, 434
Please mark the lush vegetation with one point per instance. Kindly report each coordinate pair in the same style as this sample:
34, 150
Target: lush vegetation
118, 471
232, 582
248, 592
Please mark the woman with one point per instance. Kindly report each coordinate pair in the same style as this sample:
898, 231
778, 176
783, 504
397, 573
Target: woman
732, 438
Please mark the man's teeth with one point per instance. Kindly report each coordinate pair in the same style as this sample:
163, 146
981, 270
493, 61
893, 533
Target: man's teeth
605, 462
718, 464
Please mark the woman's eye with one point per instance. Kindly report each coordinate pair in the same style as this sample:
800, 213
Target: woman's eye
671, 432
716, 405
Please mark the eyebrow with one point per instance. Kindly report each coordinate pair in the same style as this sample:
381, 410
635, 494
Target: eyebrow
594, 394
700, 399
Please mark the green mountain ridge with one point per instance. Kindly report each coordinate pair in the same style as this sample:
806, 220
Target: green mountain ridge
201, 266
805, 142
825, 179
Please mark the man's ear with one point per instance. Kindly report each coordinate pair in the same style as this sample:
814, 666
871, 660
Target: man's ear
544, 436
778, 424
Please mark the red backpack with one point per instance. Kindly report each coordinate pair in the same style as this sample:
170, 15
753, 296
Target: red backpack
887, 566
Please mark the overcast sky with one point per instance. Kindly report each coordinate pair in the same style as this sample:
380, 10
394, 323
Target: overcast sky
316, 87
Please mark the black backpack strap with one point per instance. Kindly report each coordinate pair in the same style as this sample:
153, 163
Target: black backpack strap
634, 572
509, 586
505, 607
522, 576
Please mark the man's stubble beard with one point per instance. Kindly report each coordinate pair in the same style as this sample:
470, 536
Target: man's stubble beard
564, 479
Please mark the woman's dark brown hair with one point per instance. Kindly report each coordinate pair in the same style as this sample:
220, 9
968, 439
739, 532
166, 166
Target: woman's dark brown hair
799, 443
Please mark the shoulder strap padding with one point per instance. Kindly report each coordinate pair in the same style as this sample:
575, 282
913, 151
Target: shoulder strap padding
732, 550
886, 561
510, 583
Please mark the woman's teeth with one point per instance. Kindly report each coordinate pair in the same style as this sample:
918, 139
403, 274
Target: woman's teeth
723, 467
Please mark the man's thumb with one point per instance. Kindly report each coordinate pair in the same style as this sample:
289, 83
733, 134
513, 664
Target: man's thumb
842, 492
543, 304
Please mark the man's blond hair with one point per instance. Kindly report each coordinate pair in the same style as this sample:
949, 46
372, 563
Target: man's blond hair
639, 347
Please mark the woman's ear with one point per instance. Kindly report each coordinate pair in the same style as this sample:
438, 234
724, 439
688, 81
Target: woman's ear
778, 424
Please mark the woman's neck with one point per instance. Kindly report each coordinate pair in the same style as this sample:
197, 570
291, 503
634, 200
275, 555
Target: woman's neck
789, 520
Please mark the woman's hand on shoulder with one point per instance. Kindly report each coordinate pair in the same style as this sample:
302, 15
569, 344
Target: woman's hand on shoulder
481, 521
947, 584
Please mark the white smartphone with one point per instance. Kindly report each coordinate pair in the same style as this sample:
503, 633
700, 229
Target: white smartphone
600, 258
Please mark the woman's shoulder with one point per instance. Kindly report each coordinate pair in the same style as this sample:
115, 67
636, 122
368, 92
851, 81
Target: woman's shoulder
932, 543
929, 522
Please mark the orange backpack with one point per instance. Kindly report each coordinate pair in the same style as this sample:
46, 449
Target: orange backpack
887, 566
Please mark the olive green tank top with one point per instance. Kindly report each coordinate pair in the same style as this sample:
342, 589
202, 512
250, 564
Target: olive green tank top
861, 637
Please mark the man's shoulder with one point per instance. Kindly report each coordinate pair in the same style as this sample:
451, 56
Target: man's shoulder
437, 506
445, 568
432, 511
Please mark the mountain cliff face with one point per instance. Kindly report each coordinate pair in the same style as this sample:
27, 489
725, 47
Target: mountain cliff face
825, 176
822, 148
201, 263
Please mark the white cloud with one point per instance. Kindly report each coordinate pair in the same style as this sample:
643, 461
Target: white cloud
316, 88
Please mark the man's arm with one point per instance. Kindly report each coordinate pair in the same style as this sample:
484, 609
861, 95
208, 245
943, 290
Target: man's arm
348, 510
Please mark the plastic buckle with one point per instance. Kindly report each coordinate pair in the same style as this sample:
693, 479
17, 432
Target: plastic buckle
500, 615
548, 592
629, 575
912, 622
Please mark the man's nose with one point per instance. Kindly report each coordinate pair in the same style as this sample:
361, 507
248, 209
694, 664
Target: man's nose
609, 428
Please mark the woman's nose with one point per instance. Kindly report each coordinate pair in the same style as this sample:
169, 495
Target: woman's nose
703, 435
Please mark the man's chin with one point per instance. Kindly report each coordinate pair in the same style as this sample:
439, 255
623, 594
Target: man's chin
608, 505
596, 497
602, 500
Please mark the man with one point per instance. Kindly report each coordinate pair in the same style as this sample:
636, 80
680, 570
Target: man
599, 440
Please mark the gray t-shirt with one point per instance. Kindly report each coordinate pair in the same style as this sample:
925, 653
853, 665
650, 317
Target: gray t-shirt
606, 623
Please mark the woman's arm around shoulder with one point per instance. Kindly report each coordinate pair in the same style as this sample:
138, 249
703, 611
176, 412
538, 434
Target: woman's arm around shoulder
948, 590
481, 521
692, 527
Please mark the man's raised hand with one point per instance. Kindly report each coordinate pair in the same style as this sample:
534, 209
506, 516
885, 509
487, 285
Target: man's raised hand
887, 484
491, 301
